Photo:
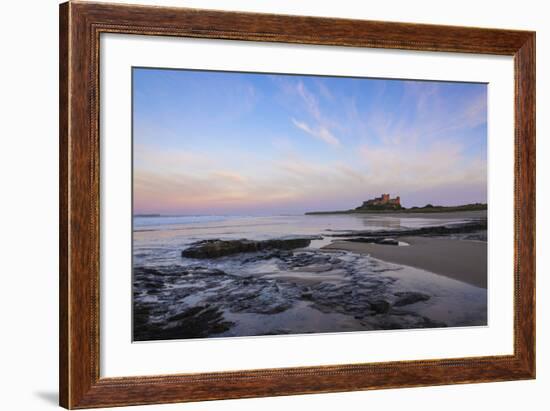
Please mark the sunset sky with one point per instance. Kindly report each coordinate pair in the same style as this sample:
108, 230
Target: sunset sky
262, 144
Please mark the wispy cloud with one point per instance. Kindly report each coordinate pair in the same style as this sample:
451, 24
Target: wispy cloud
318, 124
424, 113
211, 185
324, 91
310, 100
409, 168
321, 132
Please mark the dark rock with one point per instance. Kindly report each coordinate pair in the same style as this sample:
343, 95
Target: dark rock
195, 322
374, 240
429, 323
219, 248
459, 228
368, 240
191, 312
259, 298
305, 259
380, 306
193, 301
266, 255
480, 236
409, 297
208, 271
152, 285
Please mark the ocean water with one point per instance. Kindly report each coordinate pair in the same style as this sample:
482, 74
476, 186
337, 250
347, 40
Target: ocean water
159, 240
310, 291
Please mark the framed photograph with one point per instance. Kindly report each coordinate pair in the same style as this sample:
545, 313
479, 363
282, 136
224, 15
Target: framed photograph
259, 205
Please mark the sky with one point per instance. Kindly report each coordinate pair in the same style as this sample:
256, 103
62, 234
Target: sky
226, 143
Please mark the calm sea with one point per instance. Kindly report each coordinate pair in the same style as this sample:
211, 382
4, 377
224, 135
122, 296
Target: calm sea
159, 240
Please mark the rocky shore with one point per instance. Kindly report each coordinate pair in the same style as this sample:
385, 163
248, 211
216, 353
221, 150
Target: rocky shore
218, 248
179, 303
225, 286
432, 231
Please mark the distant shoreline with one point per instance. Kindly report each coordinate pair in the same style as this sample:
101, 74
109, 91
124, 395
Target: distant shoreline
413, 210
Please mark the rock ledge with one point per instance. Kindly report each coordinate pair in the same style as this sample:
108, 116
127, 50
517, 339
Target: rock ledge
219, 248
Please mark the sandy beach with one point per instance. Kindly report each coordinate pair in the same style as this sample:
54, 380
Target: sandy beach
459, 259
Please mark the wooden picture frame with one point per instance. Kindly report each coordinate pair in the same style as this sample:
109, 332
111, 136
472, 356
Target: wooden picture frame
80, 27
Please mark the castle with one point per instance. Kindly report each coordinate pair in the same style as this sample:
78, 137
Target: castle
382, 202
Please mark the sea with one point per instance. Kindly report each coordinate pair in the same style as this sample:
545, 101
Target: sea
159, 240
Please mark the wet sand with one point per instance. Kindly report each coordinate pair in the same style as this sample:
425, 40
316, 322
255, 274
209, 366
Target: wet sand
459, 259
